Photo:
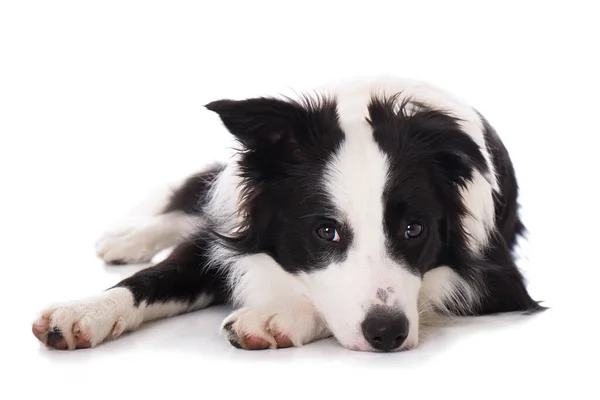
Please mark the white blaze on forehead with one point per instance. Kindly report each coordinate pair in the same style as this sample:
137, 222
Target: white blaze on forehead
356, 94
355, 178
353, 97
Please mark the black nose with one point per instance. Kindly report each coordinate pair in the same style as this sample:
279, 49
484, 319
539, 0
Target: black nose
385, 328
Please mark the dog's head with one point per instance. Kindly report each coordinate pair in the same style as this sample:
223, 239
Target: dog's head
359, 199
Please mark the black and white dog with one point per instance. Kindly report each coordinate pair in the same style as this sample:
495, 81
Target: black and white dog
356, 211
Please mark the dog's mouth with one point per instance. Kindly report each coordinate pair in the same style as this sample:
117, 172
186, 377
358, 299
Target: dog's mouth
365, 347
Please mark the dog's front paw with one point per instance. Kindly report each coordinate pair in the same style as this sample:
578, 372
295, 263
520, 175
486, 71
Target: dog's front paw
86, 323
263, 328
255, 329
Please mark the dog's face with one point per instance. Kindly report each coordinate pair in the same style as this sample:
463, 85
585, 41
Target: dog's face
358, 201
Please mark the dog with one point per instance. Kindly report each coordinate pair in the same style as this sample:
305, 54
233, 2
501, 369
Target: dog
355, 211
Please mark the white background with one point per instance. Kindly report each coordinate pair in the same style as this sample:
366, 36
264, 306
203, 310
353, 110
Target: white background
101, 102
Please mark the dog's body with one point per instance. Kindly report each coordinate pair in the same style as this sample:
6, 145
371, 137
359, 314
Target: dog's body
352, 213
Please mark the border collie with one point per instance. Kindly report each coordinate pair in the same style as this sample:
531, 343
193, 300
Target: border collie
356, 212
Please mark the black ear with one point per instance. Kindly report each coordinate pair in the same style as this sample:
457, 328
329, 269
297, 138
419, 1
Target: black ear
459, 155
259, 121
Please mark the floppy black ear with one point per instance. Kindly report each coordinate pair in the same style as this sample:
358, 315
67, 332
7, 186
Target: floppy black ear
259, 121
458, 156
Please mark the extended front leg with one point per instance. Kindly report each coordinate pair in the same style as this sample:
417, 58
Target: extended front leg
179, 284
276, 311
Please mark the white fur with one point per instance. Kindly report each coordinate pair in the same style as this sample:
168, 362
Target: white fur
272, 301
170, 308
356, 180
107, 316
359, 91
225, 197
442, 285
258, 280
296, 318
353, 97
311, 305
480, 220
138, 241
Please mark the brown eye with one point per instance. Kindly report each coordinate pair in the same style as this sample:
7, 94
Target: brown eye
413, 230
328, 233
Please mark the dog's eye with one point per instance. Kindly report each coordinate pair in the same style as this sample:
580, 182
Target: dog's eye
328, 233
413, 230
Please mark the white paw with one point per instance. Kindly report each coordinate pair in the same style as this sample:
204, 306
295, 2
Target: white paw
87, 323
135, 244
274, 327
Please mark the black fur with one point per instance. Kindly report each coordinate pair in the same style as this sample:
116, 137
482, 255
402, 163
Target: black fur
429, 156
507, 209
192, 195
286, 147
184, 276
504, 285
188, 271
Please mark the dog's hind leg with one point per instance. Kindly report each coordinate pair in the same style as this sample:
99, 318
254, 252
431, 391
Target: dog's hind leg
177, 217
183, 282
